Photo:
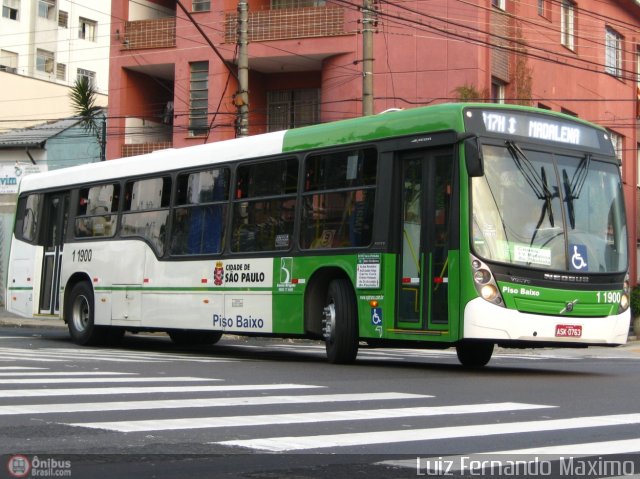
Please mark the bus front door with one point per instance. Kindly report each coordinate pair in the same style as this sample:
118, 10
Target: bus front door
56, 212
423, 269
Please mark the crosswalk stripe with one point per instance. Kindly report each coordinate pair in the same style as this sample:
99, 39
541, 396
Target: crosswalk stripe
293, 443
302, 418
114, 356
13, 393
202, 403
21, 368
162, 379
48, 373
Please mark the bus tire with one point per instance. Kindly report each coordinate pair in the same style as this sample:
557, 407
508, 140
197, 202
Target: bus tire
187, 337
472, 354
80, 316
340, 323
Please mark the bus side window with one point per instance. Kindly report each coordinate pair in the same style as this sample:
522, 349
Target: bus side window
263, 219
27, 217
200, 213
146, 211
338, 200
96, 214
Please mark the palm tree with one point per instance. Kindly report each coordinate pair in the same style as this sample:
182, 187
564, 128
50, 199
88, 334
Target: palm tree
83, 98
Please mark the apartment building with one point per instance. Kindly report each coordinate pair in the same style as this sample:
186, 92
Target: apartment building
45, 45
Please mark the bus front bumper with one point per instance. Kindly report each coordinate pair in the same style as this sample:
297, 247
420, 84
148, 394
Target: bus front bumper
483, 320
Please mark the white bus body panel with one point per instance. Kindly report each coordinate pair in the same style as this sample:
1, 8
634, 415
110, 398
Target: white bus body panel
484, 320
24, 271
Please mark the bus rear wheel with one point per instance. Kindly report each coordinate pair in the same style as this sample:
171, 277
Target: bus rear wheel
79, 315
340, 323
472, 354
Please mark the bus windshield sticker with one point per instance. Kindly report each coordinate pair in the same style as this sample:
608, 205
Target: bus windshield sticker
368, 275
527, 254
578, 257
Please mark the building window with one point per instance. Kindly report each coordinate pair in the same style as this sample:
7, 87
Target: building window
198, 98
10, 9
87, 29
44, 61
497, 91
61, 71
63, 19
8, 61
277, 4
88, 74
567, 24
499, 4
568, 112
613, 52
617, 144
292, 108
201, 5
542, 8
46, 9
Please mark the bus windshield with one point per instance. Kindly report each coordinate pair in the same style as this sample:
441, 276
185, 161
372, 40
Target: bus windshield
549, 211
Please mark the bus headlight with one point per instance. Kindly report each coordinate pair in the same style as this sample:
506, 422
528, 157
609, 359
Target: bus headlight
626, 294
624, 302
485, 283
489, 292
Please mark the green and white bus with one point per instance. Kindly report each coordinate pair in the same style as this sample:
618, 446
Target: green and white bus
455, 225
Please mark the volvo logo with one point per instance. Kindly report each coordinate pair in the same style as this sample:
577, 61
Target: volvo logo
567, 278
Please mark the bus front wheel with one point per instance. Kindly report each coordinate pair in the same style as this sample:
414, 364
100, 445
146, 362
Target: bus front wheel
472, 354
340, 323
79, 315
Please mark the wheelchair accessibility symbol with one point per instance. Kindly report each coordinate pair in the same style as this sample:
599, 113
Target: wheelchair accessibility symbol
578, 257
376, 316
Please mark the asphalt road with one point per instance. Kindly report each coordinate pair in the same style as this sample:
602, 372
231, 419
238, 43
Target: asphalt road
275, 408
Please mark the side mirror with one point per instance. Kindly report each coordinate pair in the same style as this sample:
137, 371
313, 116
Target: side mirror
473, 157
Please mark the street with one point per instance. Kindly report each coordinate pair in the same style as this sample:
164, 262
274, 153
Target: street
263, 408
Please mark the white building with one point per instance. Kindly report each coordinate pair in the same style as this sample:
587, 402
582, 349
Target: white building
53, 42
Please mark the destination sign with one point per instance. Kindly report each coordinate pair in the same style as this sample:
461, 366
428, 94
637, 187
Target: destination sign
533, 126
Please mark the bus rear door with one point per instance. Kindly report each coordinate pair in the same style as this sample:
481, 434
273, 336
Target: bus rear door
424, 270
56, 213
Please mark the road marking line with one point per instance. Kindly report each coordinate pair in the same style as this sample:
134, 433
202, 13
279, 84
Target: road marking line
162, 379
63, 373
292, 443
13, 393
204, 402
303, 418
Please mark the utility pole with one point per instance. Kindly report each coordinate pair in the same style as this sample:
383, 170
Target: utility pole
242, 96
368, 24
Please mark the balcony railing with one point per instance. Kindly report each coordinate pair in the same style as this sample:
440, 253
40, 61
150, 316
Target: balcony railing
157, 33
286, 23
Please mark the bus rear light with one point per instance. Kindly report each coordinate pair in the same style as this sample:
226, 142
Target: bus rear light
373, 303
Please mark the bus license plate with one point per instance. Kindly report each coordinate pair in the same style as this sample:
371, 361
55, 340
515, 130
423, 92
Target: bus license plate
568, 330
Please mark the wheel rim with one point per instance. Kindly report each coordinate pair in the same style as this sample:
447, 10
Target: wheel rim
80, 313
329, 322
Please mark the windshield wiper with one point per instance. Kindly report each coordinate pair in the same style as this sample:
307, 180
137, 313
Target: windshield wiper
538, 183
573, 189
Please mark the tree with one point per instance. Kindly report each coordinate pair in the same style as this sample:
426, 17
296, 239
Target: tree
83, 99
467, 92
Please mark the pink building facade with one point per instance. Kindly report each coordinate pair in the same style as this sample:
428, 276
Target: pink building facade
174, 66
